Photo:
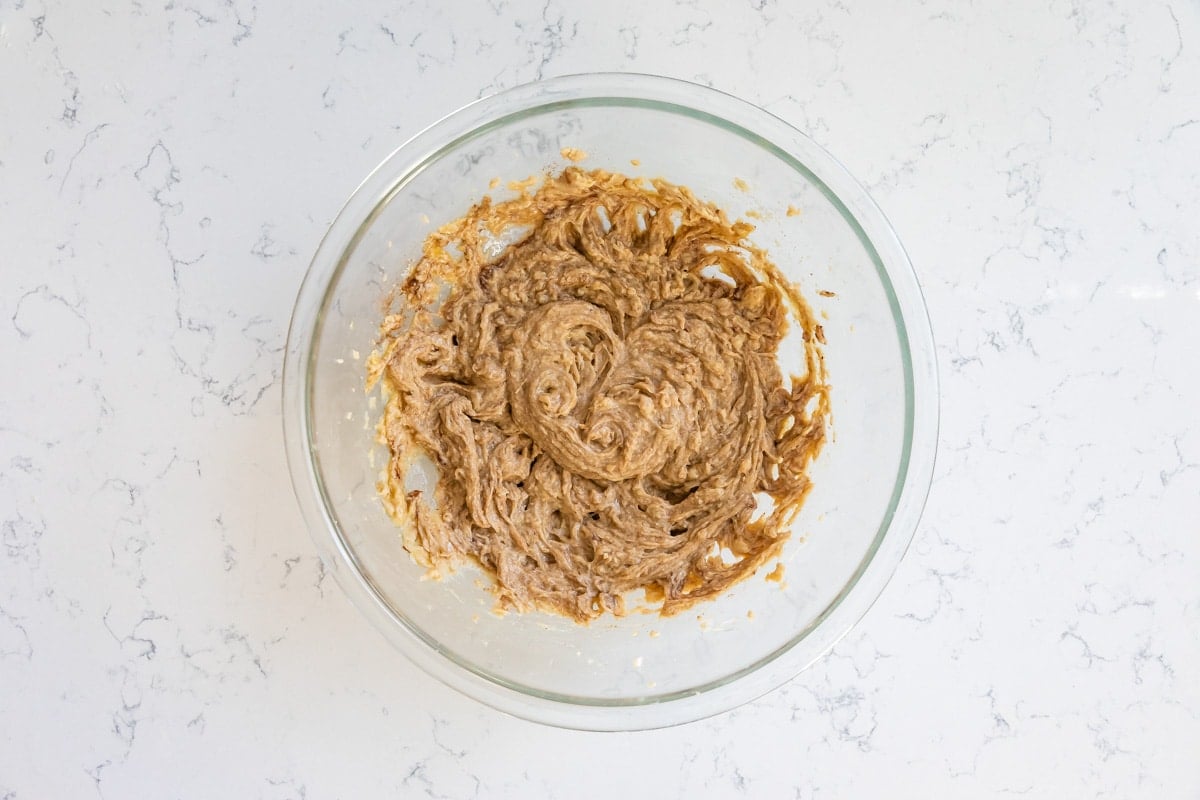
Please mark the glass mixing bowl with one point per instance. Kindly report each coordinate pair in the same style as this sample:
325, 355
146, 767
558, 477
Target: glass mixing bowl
870, 481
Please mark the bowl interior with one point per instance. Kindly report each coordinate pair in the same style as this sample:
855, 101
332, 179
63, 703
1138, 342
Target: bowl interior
641, 657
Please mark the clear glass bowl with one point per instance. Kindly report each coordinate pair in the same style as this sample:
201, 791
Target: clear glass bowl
870, 482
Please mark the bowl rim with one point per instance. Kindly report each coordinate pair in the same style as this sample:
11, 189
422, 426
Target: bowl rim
913, 328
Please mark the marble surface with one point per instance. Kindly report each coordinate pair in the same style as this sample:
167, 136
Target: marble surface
166, 170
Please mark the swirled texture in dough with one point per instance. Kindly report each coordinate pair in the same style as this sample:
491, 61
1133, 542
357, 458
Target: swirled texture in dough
601, 398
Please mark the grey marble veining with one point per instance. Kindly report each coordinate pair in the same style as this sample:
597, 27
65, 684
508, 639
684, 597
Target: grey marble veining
166, 170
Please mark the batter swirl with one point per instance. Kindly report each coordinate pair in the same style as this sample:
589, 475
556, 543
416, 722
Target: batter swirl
602, 398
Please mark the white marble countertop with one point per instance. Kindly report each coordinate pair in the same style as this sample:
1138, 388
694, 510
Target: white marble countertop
166, 171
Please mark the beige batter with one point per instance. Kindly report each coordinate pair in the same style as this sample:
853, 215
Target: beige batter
601, 407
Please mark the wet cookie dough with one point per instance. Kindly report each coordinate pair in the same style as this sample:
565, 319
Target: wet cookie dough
600, 395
